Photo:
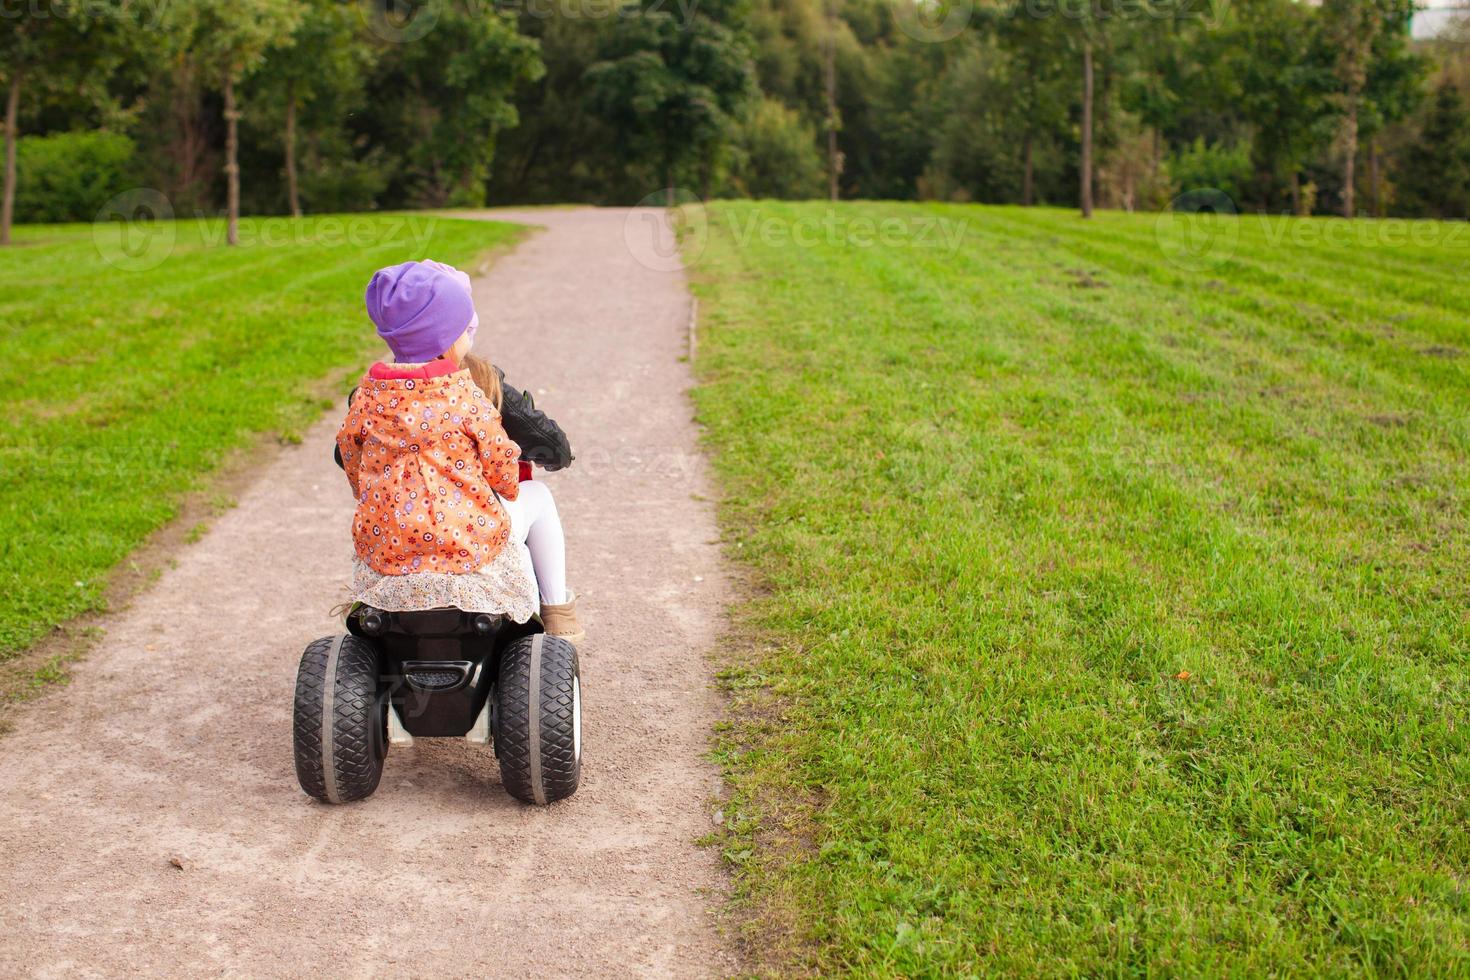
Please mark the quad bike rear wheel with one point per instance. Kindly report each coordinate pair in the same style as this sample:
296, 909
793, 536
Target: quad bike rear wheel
538, 719
340, 723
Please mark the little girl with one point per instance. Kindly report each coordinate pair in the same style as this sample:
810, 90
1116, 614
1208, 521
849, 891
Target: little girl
434, 472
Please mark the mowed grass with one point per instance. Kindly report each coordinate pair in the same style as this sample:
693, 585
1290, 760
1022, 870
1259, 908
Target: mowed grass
125, 386
1110, 612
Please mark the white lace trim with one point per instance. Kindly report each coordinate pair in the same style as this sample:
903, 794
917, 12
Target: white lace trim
507, 586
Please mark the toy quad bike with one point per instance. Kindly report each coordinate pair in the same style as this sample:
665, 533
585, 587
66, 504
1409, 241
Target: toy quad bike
439, 673
445, 673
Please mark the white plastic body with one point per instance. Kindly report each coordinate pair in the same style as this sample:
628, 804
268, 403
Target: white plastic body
479, 733
397, 734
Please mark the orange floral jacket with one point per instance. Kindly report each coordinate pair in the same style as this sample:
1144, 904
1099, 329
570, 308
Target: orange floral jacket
425, 453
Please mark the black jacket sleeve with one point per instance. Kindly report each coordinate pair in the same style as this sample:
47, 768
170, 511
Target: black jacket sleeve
541, 440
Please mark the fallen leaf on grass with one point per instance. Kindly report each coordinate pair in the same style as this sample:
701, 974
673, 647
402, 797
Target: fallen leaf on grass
1183, 675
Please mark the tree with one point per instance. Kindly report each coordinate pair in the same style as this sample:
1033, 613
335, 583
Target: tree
16, 75
672, 92
1037, 103
892, 106
1436, 169
832, 121
1086, 24
46, 49
543, 158
1085, 196
1393, 89
228, 39
1351, 27
319, 72
777, 155
443, 99
1277, 77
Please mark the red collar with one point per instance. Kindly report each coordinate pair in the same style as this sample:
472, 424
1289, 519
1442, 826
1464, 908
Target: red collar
397, 372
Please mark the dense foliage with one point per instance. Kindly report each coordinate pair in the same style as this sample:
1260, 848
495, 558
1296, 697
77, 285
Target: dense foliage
70, 176
359, 104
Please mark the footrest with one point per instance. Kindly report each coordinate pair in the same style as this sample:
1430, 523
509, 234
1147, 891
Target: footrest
437, 676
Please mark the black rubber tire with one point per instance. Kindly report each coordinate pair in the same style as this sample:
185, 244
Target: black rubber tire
537, 719
341, 721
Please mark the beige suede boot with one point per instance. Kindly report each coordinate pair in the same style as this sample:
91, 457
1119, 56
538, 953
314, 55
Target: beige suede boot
561, 620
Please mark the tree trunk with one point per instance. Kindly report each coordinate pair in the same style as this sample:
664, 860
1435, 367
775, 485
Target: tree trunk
527, 162
1296, 192
1028, 174
668, 185
293, 199
232, 163
12, 134
1086, 193
829, 77
1375, 178
1350, 159
188, 143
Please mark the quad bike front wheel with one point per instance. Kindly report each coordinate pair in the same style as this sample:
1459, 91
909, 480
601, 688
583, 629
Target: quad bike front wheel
538, 719
340, 723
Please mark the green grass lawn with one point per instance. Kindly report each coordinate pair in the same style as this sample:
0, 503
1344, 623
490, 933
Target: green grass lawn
1110, 612
124, 385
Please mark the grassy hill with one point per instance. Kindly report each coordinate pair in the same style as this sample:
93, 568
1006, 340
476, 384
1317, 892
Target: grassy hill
1109, 606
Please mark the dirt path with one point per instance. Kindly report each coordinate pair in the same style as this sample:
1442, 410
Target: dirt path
174, 740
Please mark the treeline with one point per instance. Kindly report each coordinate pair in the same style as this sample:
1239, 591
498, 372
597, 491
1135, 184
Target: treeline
282, 106
1280, 105
256, 105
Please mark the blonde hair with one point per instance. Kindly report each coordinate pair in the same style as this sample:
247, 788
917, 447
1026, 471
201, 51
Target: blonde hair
484, 375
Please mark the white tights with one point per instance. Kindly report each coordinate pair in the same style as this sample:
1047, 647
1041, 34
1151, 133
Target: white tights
535, 524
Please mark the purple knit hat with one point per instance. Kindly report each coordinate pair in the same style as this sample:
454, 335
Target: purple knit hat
463, 278
419, 309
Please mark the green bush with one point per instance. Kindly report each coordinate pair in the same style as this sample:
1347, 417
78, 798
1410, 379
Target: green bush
776, 155
1212, 166
70, 176
346, 184
1435, 170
